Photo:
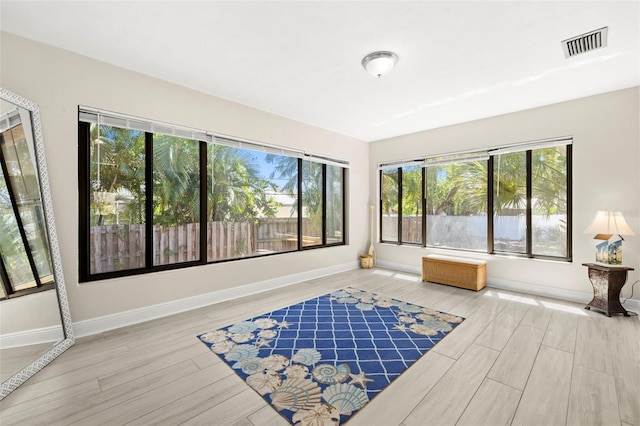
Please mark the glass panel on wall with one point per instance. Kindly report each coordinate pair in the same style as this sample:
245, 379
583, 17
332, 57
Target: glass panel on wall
527, 212
176, 200
278, 221
510, 202
251, 203
117, 199
22, 176
412, 204
13, 253
312, 182
549, 201
334, 224
457, 205
389, 214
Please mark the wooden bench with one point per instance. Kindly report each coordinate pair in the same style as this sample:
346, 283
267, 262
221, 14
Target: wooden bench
456, 271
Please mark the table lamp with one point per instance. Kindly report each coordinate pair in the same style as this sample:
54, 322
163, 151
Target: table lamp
609, 226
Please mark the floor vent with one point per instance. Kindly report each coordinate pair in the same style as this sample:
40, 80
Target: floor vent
592, 40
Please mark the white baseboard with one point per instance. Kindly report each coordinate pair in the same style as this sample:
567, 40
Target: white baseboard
632, 305
31, 337
399, 267
123, 319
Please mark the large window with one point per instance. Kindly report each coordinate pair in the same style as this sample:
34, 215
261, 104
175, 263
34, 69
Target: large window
510, 202
513, 200
117, 197
457, 205
154, 197
334, 228
176, 199
312, 203
252, 203
412, 196
549, 201
389, 203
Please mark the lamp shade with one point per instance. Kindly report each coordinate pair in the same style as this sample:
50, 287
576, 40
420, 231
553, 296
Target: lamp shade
609, 222
379, 63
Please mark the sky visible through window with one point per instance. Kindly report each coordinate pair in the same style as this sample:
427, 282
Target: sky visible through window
266, 168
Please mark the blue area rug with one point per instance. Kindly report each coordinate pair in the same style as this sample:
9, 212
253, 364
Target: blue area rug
320, 361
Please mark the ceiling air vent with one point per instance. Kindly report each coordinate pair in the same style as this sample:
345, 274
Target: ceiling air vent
592, 40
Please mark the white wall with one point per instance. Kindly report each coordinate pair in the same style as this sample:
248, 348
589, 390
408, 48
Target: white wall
606, 163
606, 141
59, 81
17, 315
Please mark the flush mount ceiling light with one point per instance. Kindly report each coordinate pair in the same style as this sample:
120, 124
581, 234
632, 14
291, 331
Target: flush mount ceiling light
379, 63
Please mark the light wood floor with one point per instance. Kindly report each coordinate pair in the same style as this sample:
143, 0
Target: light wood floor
517, 359
15, 359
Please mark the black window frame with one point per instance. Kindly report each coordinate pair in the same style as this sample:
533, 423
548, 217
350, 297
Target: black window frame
490, 249
529, 211
423, 198
84, 188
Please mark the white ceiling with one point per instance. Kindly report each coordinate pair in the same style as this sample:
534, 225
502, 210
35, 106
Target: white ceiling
459, 61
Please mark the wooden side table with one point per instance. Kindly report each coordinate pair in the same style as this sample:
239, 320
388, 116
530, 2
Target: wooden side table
607, 281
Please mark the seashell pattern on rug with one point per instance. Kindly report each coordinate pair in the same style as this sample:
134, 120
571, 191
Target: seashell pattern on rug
345, 398
320, 361
318, 415
264, 382
241, 352
330, 374
307, 356
296, 394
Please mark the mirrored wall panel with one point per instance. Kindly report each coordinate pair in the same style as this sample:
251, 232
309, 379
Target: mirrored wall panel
35, 323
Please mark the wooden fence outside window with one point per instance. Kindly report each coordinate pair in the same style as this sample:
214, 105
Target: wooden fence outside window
121, 247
